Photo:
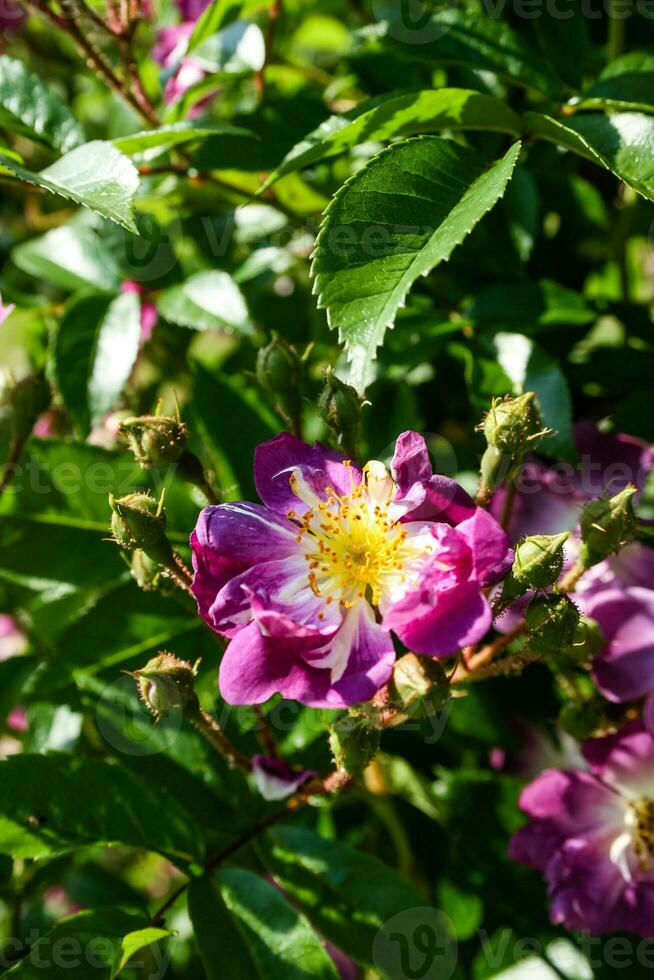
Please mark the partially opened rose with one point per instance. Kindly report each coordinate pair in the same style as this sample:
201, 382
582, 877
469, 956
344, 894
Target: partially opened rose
309, 586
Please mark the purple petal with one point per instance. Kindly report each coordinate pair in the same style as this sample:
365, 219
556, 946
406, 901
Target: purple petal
624, 668
610, 461
624, 760
274, 778
440, 623
254, 667
411, 462
491, 555
276, 460
278, 596
211, 572
245, 532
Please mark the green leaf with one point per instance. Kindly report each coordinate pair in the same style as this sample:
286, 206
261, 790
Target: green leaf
531, 369
476, 40
175, 135
245, 929
395, 220
53, 803
563, 38
133, 943
70, 257
96, 175
218, 14
94, 351
234, 421
347, 895
29, 107
621, 142
403, 115
627, 83
465, 909
206, 301
94, 941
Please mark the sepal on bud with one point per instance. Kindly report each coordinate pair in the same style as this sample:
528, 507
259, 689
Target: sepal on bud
551, 622
418, 684
353, 744
138, 521
514, 425
166, 685
155, 440
607, 525
340, 407
279, 368
538, 564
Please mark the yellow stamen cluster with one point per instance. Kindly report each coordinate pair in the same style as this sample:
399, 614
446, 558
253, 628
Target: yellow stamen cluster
353, 546
643, 835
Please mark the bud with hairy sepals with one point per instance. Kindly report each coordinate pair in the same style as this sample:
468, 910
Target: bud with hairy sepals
137, 521
339, 406
418, 684
537, 565
551, 622
166, 685
155, 440
353, 744
279, 368
607, 525
514, 425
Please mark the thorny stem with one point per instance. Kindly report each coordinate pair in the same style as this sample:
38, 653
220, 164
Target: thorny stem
473, 662
210, 730
264, 732
509, 500
95, 59
179, 573
569, 581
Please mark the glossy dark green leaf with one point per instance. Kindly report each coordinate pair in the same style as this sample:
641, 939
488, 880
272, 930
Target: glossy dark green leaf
477, 41
246, 929
94, 351
29, 107
95, 174
562, 33
69, 257
207, 301
621, 142
56, 802
347, 895
626, 83
401, 115
394, 221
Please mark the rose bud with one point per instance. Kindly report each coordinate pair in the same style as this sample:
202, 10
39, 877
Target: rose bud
607, 525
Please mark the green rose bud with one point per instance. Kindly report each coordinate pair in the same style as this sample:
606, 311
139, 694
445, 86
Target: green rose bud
339, 406
551, 622
166, 685
417, 684
279, 368
28, 399
514, 425
537, 564
353, 744
138, 521
607, 525
155, 440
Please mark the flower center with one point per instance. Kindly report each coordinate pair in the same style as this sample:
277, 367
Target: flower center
354, 547
643, 827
